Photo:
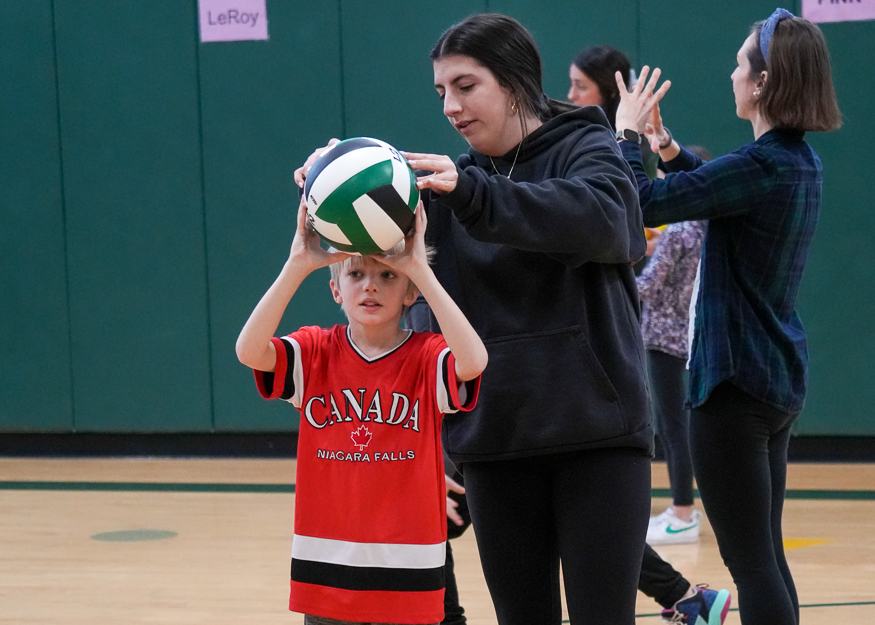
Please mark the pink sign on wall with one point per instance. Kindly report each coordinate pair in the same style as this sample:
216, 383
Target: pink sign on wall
838, 10
232, 20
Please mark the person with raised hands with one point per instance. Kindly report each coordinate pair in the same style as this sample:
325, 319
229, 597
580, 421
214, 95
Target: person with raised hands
749, 359
372, 397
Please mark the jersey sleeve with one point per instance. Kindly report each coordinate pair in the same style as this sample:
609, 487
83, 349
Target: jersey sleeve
453, 395
286, 381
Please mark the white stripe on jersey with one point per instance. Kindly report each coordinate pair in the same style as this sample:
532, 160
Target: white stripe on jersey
297, 373
443, 397
383, 555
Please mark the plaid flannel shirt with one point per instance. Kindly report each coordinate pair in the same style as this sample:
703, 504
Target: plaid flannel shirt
762, 203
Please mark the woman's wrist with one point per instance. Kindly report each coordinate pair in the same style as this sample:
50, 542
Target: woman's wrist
627, 134
666, 144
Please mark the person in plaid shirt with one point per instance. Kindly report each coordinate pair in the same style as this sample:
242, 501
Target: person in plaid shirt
748, 363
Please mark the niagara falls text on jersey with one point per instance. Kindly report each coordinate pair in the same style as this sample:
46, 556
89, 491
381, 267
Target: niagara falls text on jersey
378, 456
320, 412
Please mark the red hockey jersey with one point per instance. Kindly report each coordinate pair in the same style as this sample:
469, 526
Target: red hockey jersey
370, 507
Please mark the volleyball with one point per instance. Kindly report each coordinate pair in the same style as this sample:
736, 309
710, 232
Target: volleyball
361, 196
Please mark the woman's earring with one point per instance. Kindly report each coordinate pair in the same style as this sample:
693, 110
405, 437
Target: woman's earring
513, 108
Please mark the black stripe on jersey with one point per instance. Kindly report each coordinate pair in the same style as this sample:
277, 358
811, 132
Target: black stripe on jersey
445, 377
394, 205
336, 152
289, 386
367, 577
470, 387
267, 378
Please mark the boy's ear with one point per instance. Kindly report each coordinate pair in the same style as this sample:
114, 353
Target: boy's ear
412, 293
335, 292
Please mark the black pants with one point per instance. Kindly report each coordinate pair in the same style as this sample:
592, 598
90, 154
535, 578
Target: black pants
454, 613
660, 581
668, 389
739, 450
588, 509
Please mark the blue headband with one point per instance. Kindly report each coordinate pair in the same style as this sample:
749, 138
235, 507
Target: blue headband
768, 29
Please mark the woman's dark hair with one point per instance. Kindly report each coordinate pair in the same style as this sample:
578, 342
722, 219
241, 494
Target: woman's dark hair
504, 47
599, 64
798, 93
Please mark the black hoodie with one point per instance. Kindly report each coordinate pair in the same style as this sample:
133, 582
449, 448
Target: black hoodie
542, 267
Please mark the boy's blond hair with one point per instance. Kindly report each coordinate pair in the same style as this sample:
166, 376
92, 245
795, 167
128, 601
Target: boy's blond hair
346, 263
356, 261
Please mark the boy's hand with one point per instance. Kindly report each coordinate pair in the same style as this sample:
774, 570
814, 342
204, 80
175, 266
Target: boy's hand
413, 258
306, 251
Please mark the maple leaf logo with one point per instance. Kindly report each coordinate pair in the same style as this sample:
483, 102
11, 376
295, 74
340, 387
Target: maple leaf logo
361, 438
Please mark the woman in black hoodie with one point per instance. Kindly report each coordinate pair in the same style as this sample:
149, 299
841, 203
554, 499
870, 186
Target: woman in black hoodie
536, 229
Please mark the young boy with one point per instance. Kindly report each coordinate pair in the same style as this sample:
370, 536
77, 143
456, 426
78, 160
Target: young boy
370, 513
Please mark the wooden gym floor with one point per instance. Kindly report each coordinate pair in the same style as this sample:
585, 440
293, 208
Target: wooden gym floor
99, 541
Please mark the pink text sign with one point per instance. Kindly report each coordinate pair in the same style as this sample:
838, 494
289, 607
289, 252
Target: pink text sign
838, 10
232, 20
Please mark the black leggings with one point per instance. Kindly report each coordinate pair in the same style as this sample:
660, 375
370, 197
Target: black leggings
668, 389
739, 450
588, 509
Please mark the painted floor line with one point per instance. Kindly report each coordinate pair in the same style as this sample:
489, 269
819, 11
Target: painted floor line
801, 607
812, 494
196, 487
165, 487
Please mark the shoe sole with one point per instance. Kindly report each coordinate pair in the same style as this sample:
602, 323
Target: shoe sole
680, 539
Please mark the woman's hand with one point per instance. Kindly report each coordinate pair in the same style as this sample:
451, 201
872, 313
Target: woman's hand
445, 175
655, 131
636, 106
301, 172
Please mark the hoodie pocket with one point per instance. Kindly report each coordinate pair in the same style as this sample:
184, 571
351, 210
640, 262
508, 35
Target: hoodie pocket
542, 390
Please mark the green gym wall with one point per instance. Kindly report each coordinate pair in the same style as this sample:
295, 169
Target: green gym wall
147, 201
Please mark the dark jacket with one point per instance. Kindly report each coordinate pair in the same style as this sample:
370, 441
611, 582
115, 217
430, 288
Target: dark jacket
542, 267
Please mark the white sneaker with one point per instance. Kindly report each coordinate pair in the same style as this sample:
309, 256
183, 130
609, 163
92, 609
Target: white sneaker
667, 529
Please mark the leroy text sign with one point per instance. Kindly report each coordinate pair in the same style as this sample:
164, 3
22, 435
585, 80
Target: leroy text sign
838, 10
232, 20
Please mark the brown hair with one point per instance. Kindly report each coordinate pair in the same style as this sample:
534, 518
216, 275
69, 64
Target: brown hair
599, 64
798, 93
504, 47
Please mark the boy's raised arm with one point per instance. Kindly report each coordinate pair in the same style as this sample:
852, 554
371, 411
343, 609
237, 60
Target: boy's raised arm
254, 346
462, 339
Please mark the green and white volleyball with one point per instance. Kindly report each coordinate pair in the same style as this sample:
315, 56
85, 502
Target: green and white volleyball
361, 196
